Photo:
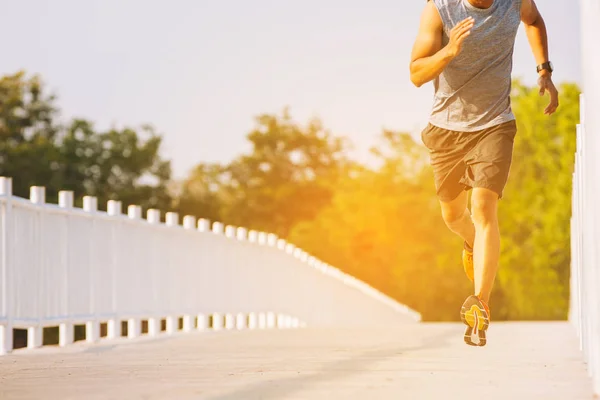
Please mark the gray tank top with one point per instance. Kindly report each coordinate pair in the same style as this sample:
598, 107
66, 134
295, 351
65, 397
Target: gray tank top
473, 92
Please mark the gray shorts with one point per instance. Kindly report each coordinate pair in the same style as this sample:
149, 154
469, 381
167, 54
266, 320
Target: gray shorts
465, 160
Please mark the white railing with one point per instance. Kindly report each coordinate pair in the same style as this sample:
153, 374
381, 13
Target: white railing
585, 222
62, 266
585, 241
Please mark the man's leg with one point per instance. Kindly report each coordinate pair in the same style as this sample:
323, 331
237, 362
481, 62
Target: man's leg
457, 217
475, 312
484, 206
488, 166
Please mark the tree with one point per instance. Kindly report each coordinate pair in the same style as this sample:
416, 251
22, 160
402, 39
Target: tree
36, 150
287, 178
201, 193
115, 165
27, 133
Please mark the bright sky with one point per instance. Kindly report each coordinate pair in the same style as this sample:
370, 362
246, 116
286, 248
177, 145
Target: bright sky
200, 70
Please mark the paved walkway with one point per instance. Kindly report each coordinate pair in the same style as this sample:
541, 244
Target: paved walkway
421, 361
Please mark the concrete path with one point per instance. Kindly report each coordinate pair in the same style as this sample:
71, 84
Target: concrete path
420, 361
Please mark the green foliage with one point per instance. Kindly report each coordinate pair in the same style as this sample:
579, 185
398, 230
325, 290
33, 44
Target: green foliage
115, 165
287, 178
36, 150
27, 133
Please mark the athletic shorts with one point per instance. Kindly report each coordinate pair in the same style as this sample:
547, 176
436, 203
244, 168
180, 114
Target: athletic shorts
465, 160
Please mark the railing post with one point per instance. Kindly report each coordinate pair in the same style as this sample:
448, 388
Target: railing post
153, 217
201, 322
189, 223
217, 321
203, 225
279, 321
65, 199
240, 321
253, 236
217, 228
242, 234
230, 231
171, 219
90, 204
6, 329
252, 321
114, 208
202, 319
262, 321
134, 212
65, 329
37, 195
262, 238
134, 325
229, 322
271, 320
92, 328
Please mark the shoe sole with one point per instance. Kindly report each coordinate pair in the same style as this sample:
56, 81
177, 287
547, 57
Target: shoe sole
477, 320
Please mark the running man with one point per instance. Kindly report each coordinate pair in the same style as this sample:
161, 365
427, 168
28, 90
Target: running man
466, 47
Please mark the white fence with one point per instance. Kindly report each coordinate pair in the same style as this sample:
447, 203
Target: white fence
585, 222
62, 266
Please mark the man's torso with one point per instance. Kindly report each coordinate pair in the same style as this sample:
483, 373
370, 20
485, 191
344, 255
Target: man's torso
473, 92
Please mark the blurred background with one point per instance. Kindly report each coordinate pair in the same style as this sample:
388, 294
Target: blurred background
296, 118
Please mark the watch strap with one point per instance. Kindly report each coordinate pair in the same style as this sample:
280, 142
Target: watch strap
547, 65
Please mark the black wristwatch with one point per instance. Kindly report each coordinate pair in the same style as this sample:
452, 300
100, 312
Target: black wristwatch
547, 66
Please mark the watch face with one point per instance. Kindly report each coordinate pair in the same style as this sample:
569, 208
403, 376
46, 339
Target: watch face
551, 66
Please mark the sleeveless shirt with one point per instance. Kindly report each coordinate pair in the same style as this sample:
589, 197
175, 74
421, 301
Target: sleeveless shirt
473, 91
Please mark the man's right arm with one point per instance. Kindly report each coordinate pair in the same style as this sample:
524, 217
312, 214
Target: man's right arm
429, 58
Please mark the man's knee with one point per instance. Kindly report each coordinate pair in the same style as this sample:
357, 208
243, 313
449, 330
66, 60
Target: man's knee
453, 215
453, 212
484, 206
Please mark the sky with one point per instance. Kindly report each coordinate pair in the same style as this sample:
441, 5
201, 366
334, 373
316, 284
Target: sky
200, 71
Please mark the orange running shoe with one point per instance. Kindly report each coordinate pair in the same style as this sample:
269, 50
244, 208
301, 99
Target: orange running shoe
475, 313
467, 259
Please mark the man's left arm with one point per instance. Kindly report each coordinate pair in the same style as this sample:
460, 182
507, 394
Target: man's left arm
538, 40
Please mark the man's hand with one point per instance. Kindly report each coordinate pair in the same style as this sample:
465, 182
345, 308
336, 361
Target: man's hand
546, 85
458, 34
535, 27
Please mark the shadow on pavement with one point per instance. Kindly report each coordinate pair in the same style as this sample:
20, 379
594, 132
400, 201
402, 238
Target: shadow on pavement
280, 388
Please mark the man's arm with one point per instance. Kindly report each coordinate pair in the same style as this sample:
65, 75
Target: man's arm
538, 41
428, 58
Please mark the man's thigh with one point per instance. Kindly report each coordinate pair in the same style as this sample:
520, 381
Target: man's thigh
488, 164
447, 150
